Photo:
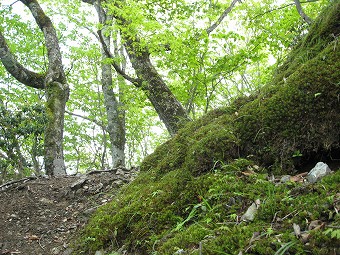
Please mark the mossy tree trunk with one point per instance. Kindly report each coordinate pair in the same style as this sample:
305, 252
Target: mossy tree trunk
53, 82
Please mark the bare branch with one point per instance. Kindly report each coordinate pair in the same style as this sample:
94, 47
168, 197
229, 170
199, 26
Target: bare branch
23, 75
87, 118
220, 19
301, 12
281, 7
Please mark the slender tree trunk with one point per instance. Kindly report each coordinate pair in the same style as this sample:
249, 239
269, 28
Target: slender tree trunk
115, 118
55, 108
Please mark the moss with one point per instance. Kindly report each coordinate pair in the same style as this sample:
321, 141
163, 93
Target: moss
298, 115
194, 188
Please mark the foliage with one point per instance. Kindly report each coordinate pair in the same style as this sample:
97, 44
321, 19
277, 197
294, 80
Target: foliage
21, 141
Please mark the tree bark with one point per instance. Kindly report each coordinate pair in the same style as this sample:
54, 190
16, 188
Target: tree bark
115, 113
169, 109
53, 82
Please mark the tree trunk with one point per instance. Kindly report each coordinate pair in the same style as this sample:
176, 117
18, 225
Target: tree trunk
55, 108
169, 109
115, 115
53, 82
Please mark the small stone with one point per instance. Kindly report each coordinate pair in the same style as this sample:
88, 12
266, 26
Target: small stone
250, 213
285, 178
320, 170
56, 250
101, 252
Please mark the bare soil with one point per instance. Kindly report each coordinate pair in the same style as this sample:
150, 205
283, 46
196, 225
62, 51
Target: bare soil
40, 216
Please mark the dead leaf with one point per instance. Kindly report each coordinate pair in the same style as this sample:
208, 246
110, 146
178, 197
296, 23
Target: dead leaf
298, 177
316, 225
305, 237
256, 236
248, 172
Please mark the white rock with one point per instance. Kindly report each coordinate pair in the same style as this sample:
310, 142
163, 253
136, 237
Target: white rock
320, 170
250, 213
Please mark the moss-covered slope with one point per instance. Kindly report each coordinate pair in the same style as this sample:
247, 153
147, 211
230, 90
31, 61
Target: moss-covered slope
192, 190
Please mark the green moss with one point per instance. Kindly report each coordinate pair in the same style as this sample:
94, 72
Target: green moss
193, 189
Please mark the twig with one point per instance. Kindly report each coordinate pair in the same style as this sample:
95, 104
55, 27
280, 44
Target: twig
41, 246
336, 227
87, 118
220, 19
289, 214
281, 7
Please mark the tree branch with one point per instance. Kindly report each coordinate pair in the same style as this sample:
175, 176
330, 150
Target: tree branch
135, 81
19, 72
89, 119
282, 7
55, 67
301, 12
220, 19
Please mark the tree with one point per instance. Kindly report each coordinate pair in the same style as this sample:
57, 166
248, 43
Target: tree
169, 109
53, 82
21, 136
114, 107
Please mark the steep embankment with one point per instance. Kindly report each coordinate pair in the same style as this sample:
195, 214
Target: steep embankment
194, 189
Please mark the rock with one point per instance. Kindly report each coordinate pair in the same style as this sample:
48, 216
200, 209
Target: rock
285, 178
320, 170
56, 250
250, 213
79, 183
101, 252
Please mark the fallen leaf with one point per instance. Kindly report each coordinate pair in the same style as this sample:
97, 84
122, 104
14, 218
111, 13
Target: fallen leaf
316, 224
305, 237
298, 177
248, 172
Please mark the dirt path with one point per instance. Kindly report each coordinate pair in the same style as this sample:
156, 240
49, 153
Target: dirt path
39, 216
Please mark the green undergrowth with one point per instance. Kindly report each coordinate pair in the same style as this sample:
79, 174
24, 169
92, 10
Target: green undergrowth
181, 212
193, 190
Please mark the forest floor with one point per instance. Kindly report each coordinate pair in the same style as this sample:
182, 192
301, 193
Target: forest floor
41, 215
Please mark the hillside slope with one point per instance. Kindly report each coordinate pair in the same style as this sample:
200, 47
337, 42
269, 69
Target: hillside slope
193, 190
